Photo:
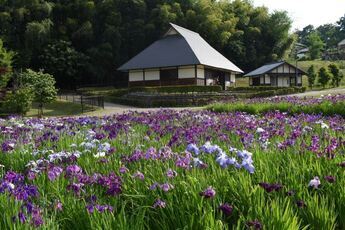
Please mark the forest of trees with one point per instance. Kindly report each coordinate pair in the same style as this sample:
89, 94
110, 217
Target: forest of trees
321, 38
84, 41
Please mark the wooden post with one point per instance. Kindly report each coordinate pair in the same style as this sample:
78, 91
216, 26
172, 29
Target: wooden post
82, 105
196, 74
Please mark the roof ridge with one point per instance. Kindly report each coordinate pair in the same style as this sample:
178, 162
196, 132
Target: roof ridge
185, 29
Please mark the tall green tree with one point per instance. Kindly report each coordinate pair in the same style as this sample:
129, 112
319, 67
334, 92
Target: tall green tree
315, 45
42, 85
6, 58
329, 35
336, 74
311, 76
324, 76
65, 63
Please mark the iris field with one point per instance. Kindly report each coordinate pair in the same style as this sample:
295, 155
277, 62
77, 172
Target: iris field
173, 170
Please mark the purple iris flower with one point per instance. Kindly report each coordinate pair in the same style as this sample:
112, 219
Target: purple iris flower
270, 187
123, 170
226, 209
36, 219
208, 148
290, 193
171, 173
54, 172
330, 179
22, 217
58, 206
166, 187
7, 146
159, 204
255, 224
192, 148
208, 192
301, 204
90, 208
222, 159
247, 164
73, 170
139, 175
154, 186
77, 188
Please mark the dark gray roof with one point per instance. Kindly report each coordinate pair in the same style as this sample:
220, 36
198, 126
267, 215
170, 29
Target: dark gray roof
184, 48
269, 67
264, 69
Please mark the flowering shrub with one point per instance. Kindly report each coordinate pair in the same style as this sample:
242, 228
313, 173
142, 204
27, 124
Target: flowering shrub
169, 169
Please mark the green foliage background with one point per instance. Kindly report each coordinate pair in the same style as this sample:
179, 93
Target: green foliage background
101, 35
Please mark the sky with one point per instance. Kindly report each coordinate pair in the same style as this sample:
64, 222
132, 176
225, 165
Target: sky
305, 12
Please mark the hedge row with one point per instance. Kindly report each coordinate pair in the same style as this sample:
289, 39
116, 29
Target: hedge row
156, 103
277, 91
265, 88
325, 108
176, 89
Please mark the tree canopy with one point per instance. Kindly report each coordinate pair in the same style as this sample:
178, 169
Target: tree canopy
329, 34
107, 33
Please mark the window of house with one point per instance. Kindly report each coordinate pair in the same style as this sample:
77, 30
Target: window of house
169, 74
292, 81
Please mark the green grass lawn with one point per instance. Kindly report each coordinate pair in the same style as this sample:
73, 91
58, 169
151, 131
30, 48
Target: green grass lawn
59, 108
304, 65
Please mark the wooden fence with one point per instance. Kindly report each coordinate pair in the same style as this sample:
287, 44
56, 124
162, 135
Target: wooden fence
84, 101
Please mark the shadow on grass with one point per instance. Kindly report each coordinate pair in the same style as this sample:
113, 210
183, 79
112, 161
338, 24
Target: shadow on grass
60, 108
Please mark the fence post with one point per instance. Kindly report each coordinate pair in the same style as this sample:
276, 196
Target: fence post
82, 105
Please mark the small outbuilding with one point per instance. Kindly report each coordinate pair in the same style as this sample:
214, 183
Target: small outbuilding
279, 74
180, 57
341, 45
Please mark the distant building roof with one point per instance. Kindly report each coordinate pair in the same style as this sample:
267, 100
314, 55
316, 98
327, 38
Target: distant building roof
302, 51
267, 68
179, 47
341, 43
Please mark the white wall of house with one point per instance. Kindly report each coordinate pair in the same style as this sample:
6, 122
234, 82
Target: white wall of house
283, 81
261, 80
151, 74
136, 75
186, 72
267, 79
250, 81
232, 77
200, 71
284, 69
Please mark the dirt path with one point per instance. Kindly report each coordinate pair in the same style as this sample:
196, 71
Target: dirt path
318, 93
111, 108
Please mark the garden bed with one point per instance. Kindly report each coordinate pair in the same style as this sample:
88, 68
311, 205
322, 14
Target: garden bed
173, 170
328, 106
